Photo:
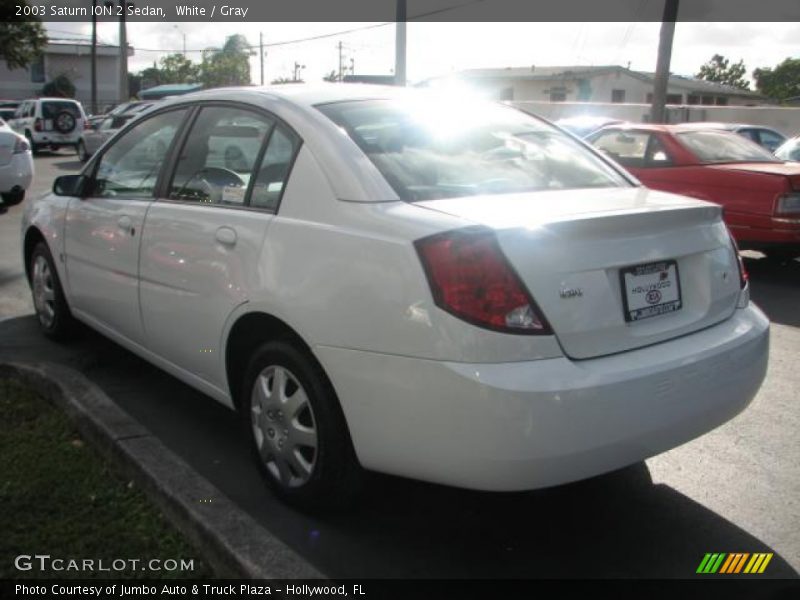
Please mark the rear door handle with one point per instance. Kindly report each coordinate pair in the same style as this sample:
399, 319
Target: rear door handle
226, 235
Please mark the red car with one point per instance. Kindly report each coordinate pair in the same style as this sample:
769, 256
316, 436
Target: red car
760, 193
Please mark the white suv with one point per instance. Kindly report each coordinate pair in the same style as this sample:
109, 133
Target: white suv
52, 122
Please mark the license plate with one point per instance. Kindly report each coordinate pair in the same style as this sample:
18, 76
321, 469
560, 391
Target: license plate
650, 290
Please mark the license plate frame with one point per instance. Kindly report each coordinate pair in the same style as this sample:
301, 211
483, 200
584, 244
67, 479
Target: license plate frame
643, 287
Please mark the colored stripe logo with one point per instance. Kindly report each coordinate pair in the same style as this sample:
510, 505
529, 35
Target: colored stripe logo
734, 563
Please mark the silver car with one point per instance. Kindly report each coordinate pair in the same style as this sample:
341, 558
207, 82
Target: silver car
100, 129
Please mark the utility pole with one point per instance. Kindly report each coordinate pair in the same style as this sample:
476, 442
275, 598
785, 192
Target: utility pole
341, 65
94, 57
124, 91
658, 109
183, 33
400, 44
261, 54
297, 67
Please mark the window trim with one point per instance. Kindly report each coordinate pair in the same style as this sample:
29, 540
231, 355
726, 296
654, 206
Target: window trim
162, 188
90, 170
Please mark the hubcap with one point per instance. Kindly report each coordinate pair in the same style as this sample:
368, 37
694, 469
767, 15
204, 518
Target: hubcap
284, 426
43, 292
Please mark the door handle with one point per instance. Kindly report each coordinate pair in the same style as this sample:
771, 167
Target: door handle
226, 235
125, 223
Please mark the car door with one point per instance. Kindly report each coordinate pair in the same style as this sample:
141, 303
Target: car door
203, 237
104, 228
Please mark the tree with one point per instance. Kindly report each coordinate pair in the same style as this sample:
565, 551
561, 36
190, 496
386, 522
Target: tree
176, 68
229, 65
779, 83
720, 70
22, 39
59, 87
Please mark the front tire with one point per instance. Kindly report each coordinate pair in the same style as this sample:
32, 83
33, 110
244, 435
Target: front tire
52, 310
297, 431
83, 156
13, 198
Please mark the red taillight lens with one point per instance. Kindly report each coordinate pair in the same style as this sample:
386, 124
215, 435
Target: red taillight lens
743, 275
37, 124
471, 278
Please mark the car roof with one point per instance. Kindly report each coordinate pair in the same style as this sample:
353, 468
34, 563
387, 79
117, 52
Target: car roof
304, 94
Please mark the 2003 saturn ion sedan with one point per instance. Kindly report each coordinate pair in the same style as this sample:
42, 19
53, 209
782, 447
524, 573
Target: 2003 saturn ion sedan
385, 279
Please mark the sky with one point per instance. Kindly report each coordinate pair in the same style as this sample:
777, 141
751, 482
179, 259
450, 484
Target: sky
438, 49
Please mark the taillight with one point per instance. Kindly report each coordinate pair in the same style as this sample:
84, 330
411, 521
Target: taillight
86, 123
471, 279
37, 124
21, 145
788, 204
743, 275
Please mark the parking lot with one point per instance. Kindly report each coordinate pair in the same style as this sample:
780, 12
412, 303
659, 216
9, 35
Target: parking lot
733, 490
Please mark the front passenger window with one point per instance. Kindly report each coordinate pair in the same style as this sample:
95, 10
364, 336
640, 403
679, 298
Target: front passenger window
130, 167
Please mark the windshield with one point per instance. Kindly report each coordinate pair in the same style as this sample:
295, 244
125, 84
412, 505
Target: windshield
790, 150
428, 149
723, 147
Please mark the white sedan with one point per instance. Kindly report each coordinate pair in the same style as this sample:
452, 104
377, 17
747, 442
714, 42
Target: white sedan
379, 278
16, 166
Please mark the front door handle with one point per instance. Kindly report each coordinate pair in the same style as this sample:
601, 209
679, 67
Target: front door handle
226, 235
125, 223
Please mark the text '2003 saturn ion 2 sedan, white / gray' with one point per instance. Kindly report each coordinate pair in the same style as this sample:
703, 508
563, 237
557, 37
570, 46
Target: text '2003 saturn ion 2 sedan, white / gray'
387, 279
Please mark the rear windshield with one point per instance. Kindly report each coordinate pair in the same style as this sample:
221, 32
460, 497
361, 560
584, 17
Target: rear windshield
51, 108
723, 147
790, 150
428, 149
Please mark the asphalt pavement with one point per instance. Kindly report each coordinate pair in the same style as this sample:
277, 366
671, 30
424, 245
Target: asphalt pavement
733, 490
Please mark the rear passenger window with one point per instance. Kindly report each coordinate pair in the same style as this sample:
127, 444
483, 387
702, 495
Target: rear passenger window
628, 148
219, 156
274, 170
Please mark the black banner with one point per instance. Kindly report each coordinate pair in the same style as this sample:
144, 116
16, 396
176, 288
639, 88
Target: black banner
751, 588
417, 10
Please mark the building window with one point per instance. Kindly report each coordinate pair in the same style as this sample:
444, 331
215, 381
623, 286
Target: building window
674, 99
618, 96
722, 101
37, 70
708, 100
692, 99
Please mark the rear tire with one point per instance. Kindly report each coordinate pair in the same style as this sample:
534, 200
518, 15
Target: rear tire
297, 431
52, 310
13, 198
34, 147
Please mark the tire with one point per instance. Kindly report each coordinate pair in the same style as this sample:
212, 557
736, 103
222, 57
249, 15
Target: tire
34, 147
52, 311
65, 122
13, 198
781, 256
305, 457
83, 156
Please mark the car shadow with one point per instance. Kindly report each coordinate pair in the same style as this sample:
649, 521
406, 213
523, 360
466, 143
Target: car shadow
775, 287
617, 525
74, 165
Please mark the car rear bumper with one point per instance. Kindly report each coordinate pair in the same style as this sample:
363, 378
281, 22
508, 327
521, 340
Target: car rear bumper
18, 173
523, 425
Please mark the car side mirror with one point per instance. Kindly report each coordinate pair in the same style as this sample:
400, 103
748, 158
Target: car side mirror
68, 185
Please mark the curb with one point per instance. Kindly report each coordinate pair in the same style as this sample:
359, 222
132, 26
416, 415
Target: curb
233, 543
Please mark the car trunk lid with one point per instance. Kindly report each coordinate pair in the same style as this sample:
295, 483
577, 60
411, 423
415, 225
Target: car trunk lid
578, 251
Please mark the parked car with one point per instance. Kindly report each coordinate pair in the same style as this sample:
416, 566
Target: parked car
759, 192
763, 136
101, 128
49, 122
7, 113
790, 150
441, 289
583, 125
16, 167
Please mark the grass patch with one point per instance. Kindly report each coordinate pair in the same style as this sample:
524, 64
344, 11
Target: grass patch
58, 496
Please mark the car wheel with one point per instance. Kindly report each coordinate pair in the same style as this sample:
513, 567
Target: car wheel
13, 198
34, 147
51, 306
83, 156
297, 431
780, 256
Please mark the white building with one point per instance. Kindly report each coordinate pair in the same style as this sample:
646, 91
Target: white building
72, 59
611, 84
